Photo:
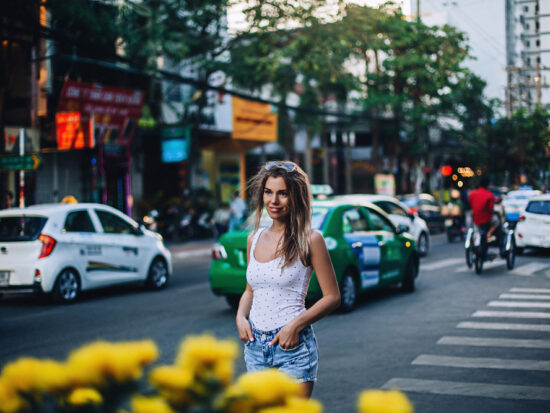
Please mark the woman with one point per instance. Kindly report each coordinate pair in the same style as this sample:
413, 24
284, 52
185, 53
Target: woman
272, 319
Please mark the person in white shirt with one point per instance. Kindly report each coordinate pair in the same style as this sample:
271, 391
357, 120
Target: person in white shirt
238, 209
272, 319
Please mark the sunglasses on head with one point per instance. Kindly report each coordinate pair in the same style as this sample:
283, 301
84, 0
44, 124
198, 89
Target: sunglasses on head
289, 166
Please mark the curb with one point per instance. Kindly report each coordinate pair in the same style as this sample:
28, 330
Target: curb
192, 250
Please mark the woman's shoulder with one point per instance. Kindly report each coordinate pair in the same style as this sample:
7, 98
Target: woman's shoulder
316, 237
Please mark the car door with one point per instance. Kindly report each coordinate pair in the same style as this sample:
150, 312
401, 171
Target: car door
122, 257
80, 243
364, 244
390, 246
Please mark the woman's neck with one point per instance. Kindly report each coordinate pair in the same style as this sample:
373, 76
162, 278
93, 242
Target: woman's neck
278, 227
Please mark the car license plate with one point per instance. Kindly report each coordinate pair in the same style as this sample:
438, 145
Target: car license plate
4, 278
448, 222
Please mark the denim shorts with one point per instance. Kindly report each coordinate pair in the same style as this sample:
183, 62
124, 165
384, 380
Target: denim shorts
299, 362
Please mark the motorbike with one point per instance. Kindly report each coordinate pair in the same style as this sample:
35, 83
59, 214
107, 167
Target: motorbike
196, 226
479, 249
455, 226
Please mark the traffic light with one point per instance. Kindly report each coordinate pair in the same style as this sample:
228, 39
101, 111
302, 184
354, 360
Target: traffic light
446, 170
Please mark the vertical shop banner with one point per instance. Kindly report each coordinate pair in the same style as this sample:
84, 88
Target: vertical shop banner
11, 140
109, 113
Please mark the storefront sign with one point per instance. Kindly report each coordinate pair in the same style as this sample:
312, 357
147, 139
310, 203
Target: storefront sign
70, 134
253, 121
113, 112
384, 184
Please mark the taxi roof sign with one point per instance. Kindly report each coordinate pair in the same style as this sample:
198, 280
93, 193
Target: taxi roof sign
321, 189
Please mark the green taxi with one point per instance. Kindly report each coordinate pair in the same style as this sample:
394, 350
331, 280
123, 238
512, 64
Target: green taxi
366, 249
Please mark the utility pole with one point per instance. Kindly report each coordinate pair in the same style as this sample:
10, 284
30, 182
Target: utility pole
538, 84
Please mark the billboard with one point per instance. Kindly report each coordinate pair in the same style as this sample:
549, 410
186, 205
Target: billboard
253, 121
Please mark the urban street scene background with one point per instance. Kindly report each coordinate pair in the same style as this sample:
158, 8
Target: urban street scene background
137, 124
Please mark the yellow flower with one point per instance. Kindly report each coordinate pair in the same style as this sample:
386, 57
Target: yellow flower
296, 405
200, 352
263, 388
94, 364
10, 402
379, 401
34, 375
85, 395
142, 404
171, 377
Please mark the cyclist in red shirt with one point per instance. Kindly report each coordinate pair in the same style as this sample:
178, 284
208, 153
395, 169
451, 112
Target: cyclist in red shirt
482, 202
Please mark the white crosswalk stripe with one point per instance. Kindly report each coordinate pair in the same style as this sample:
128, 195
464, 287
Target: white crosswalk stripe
503, 326
496, 391
530, 290
525, 296
481, 363
501, 336
511, 314
493, 342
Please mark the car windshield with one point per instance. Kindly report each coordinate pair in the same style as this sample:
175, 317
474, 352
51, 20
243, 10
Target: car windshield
539, 207
317, 219
21, 228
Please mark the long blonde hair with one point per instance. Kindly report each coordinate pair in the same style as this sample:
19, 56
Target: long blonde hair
296, 239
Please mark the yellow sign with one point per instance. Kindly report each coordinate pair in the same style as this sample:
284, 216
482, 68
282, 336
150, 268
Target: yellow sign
253, 121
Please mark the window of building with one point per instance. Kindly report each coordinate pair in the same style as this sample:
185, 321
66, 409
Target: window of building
527, 43
537, 42
526, 8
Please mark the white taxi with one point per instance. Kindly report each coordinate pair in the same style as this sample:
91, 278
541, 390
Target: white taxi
63, 249
533, 227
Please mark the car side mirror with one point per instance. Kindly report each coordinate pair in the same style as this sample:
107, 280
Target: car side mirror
139, 230
401, 228
411, 217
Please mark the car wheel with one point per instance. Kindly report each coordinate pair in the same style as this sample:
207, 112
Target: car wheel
233, 301
67, 287
157, 277
407, 284
423, 244
348, 292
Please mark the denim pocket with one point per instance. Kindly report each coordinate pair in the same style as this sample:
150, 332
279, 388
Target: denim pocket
288, 350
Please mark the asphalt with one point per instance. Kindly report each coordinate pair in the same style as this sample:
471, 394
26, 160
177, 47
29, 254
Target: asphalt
194, 246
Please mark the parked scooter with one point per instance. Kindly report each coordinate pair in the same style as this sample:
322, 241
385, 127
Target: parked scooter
196, 226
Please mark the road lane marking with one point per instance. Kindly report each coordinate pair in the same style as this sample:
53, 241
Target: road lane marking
481, 363
503, 326
518, 304
494, 342
486, 266
525, 296
530, 269
456, 388
189, 254
530, 290
511, 314
441, 264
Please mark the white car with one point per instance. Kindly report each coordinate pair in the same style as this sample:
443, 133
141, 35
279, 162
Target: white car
63, 249
533, 227
516, 201
399, 214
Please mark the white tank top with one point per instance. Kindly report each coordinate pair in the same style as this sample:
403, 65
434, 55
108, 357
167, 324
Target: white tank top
279, 296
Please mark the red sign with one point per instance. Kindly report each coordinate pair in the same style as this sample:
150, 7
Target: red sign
113, 112
69, 132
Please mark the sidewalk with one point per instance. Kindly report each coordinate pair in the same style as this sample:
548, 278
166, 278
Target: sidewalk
193, 248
